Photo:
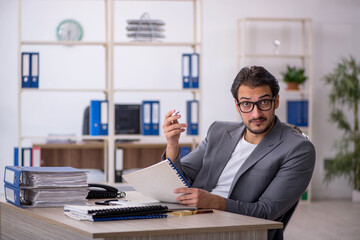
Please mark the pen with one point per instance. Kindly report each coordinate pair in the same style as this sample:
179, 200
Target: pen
175, 114
188, 212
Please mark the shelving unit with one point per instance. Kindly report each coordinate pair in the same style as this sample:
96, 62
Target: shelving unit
109, 90
297, 35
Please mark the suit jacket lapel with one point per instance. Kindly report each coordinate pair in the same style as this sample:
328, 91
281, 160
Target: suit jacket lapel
227, 144
270, 141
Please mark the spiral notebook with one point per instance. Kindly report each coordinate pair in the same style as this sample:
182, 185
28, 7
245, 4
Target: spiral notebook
158, 181
109, 213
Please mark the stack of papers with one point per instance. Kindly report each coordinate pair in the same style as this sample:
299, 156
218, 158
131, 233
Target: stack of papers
45, 186
107, 213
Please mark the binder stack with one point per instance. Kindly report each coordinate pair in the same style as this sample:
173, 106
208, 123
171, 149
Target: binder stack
145, 29
150, 117
99, 117
190, 70
30, 70
45, 186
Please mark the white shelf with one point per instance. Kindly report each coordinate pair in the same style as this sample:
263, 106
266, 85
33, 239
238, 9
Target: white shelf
305, 44
61, 90
276, 56
110, 91
65, 137
190, 90
158, 44
60, 43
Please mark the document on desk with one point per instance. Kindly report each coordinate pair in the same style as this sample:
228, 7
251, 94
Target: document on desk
109, 213
158, 181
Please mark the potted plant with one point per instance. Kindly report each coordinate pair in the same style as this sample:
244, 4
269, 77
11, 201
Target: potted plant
345, 102
293, 77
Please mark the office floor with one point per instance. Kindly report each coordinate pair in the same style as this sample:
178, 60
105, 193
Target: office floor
325, 220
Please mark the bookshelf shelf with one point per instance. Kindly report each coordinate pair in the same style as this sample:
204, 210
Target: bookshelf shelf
108, 53
301, 52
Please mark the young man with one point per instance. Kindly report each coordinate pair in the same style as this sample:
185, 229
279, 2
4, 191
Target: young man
259, 167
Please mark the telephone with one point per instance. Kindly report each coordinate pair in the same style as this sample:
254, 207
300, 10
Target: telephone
104, 191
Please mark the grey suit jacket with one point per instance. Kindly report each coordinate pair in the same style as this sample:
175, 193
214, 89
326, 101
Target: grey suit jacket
271, 180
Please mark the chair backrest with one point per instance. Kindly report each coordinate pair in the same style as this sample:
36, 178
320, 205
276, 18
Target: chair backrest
298, 129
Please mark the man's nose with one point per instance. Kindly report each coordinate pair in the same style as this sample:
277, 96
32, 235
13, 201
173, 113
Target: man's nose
256, 112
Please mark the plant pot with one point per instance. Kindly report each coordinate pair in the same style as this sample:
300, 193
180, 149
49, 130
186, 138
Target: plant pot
356, 196
292, 86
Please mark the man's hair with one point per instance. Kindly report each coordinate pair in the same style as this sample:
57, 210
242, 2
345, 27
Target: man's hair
254, 76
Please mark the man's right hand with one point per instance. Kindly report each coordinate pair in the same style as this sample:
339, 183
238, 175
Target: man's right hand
172, 130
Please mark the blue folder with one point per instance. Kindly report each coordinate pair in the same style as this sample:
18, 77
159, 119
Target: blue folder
192, 108
94, 119
150, 117
297, 113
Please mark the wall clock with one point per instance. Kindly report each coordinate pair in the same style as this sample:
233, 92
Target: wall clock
69, 30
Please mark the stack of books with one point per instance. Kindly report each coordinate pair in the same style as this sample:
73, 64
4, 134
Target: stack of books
45, 186
145, 29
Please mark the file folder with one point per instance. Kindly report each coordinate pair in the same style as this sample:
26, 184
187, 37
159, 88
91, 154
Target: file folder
190, 70
155, 120
26, 160
94, 119
25, 69
104, 117
297, 113
34, 73
119, 164
186, 59
194, 70
16, 156
184, 151
36, 157
150, 117
26, 157
192, 117
146, 118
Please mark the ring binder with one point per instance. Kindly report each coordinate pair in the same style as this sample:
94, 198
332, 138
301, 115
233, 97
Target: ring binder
158, 181
106, 213
179, 174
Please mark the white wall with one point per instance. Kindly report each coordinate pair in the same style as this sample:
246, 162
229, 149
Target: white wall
336, 31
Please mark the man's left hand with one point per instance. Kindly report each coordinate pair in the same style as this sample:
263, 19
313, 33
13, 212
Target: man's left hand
199, 198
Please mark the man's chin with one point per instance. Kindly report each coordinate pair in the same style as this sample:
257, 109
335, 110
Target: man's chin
257, 131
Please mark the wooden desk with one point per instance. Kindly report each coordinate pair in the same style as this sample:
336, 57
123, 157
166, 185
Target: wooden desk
51, 223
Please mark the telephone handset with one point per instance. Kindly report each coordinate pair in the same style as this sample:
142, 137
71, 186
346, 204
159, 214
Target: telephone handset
104, 191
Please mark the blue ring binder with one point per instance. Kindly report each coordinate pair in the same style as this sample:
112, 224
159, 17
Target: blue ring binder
179, 173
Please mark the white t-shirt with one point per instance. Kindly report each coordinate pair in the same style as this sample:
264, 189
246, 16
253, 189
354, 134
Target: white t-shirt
238, 157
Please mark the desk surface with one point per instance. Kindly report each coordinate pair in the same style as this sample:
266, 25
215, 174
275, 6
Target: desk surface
201, 223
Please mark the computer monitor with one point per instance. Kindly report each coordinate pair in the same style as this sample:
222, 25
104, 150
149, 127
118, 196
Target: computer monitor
127, 119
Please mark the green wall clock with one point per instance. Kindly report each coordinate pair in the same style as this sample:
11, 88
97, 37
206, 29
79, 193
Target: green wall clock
69, 30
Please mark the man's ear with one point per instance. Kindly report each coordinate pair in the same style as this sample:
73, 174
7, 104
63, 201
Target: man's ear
277, 101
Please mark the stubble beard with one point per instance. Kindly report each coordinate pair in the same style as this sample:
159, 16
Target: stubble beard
261, 131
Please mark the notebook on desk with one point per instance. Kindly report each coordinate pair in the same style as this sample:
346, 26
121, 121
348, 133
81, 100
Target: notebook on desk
158, 181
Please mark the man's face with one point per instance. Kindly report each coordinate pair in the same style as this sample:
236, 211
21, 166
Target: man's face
257, 121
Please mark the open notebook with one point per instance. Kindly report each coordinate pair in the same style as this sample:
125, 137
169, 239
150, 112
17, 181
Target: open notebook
158, 181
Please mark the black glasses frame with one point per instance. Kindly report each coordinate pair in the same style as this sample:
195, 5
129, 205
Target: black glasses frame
255, 103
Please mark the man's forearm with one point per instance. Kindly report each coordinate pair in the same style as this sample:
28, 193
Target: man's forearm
172, 152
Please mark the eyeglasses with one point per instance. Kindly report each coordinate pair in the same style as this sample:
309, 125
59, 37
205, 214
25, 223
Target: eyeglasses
263, 105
